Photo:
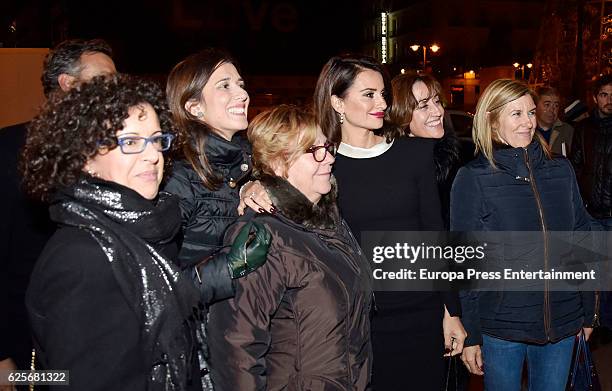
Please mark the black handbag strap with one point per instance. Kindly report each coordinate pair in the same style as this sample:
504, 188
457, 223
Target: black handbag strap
452, 359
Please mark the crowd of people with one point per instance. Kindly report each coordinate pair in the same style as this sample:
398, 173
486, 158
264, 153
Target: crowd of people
180, 252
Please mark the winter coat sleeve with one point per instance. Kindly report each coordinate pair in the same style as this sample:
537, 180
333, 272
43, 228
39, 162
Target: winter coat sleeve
429, 200
577, 151
180, 185
212, 277
451, 301
239, 328
583, 222
80, 319
465, 216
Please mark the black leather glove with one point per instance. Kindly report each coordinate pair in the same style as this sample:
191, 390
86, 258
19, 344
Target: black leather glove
249, 250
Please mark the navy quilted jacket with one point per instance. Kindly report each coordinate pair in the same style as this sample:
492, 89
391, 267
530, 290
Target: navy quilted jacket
526, 192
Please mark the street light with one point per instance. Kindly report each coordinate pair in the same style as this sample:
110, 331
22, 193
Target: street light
434, 48
518, 66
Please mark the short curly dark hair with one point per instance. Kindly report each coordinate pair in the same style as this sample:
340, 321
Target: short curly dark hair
71, 126
65, 58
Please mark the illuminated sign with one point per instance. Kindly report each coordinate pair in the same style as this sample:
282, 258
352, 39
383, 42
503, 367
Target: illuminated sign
383, 38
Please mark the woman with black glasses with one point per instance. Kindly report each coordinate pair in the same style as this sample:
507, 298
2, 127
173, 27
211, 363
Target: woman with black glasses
105, 300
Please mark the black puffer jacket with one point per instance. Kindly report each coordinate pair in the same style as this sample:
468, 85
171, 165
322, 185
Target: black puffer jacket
206, 213
592, 159
526, 192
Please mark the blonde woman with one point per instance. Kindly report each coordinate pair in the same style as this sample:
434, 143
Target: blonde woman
515, 185
301, 321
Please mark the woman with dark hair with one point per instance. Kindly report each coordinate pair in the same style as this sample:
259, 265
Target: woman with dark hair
104, 300
209, 105
418, 112
410, 329
301, 321
515, 185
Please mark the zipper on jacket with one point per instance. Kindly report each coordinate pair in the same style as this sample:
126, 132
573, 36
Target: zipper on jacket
596, 315
545, 234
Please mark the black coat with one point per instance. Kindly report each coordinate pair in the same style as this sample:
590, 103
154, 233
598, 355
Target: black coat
447, 161
24, 230
592, 159
506, 199
207, 213
81, 319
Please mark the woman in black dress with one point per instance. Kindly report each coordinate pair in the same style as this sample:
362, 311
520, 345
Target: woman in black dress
418, 112
387, 183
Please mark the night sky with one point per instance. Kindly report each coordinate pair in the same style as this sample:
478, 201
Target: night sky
150, 36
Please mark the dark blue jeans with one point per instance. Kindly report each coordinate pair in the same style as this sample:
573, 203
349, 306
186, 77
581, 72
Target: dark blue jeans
548, 365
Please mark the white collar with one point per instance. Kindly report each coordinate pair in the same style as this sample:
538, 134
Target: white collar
364, 153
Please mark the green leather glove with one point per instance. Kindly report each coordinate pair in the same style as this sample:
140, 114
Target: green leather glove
249, 250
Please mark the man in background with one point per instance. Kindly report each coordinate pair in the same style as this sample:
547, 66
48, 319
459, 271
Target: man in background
592, 154
557, 133
25, 225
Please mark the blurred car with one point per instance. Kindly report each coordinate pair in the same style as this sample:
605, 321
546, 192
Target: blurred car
461, 123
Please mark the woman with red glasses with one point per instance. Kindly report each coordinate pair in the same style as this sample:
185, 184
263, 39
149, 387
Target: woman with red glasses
300, 321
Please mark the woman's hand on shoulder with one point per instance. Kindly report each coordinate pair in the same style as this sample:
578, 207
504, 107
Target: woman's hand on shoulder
254, 196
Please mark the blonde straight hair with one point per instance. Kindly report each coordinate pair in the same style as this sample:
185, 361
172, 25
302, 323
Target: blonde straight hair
490, 105
279, 136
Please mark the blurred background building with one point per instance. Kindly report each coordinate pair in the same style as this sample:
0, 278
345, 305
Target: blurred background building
282, 44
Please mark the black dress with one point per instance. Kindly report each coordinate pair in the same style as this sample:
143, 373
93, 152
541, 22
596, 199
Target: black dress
24, 230
394, 189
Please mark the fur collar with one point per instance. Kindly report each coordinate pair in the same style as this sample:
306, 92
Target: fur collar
294, 205
446, 156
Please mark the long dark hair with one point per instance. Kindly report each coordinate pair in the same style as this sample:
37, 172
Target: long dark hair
336, 77
186, 82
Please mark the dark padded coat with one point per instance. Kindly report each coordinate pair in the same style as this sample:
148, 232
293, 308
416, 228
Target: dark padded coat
592, 159
206, 213
301, 321
508, 198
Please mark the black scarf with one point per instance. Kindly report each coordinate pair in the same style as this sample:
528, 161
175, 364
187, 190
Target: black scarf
126, 226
